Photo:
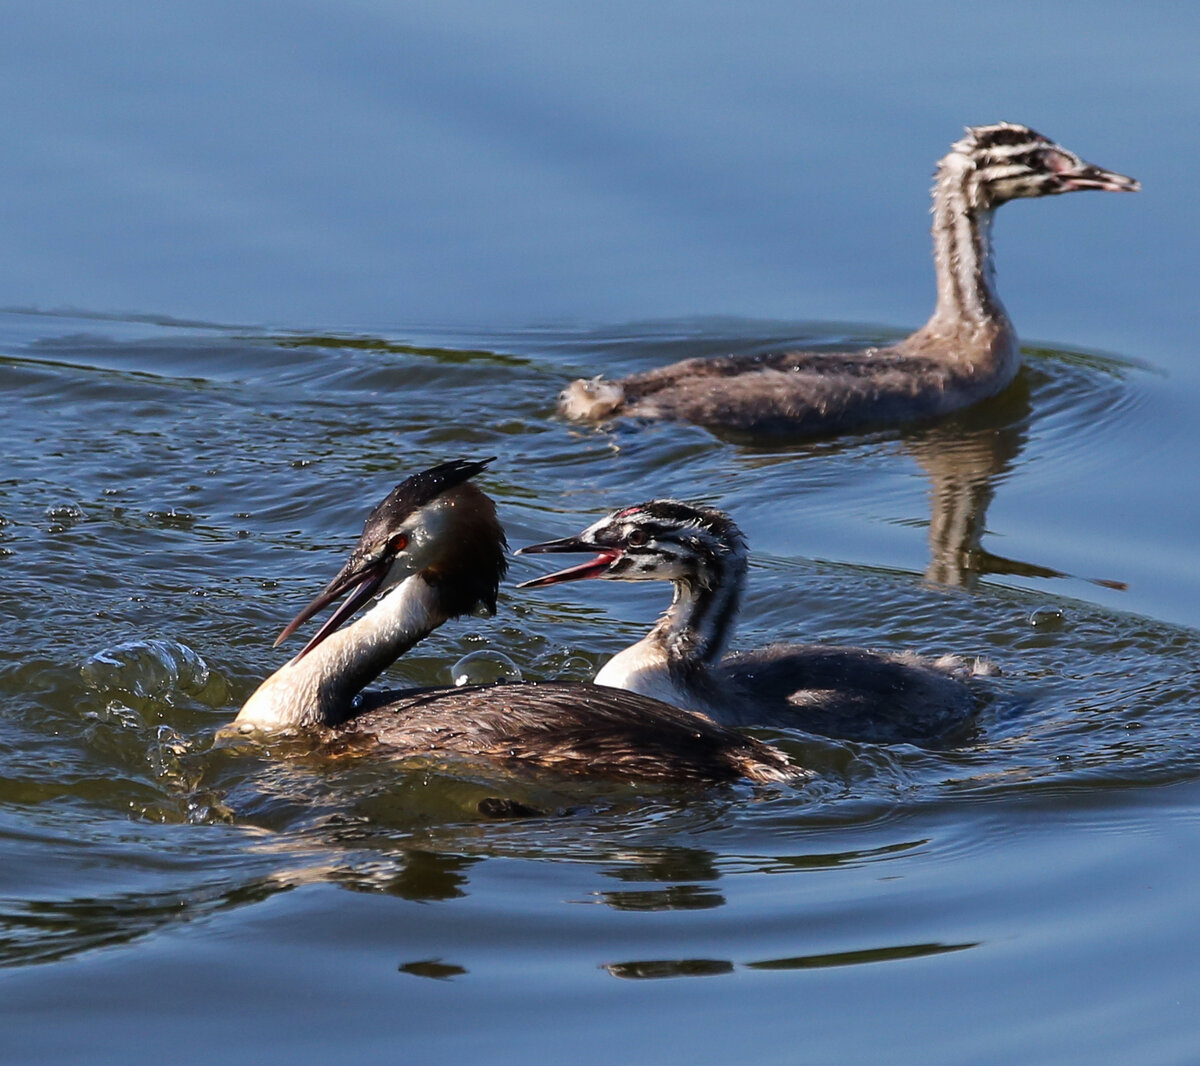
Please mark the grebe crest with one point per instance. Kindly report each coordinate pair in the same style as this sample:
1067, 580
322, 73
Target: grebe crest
433, 550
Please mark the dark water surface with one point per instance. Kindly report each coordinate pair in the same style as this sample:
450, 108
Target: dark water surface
263, 208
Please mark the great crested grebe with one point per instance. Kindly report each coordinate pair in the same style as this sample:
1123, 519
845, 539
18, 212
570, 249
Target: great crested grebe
435, 550
966, 352
844, 692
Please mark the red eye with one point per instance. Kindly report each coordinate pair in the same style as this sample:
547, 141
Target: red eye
399, 542
637, 537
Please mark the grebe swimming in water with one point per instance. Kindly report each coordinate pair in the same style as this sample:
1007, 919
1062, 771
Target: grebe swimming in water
434, 550
843, 692
966, 352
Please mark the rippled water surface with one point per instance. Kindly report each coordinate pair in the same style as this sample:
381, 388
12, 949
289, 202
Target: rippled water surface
175, 488
175, 495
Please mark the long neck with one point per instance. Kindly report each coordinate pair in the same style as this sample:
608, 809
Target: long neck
966, 295
696, 628
319, 689
675, 661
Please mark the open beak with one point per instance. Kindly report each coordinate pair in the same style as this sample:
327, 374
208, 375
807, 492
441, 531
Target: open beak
597, 567
361, 579
1086, 176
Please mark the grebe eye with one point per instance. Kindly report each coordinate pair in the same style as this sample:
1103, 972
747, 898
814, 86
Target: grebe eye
1050, 160
399, 542
637, 537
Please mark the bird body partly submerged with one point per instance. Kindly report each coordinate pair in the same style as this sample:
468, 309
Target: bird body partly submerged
435, 550
828, 689
564, 727
845, 692
966, 352
805, 394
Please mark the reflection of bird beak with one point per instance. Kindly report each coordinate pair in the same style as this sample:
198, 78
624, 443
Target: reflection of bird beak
360, 578
597, 567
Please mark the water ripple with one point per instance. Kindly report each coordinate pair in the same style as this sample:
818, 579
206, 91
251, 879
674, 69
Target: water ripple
193, 490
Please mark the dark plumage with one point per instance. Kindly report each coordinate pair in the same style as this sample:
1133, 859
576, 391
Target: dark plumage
435, 550
854, 693
569, 728
844, 692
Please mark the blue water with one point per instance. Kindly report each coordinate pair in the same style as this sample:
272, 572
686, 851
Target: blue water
261, 261
317, 165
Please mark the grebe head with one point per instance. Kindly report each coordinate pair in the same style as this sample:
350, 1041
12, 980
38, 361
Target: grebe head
1006, 161
435, 524
662, 540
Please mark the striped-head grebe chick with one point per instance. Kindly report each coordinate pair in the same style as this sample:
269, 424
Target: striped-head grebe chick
965, 353
844, 692
434, 550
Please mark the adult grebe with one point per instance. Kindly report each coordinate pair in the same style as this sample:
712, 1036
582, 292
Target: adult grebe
835, 691
966, 352
435, 547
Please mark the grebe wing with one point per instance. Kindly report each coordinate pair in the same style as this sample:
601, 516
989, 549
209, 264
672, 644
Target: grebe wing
569, 727
794, 393
854, 694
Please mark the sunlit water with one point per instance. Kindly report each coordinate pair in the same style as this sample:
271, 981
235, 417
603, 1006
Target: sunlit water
173, 496
429, 218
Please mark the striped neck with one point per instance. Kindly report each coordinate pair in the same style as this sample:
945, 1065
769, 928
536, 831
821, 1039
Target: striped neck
696, 628
677, 660
962, 253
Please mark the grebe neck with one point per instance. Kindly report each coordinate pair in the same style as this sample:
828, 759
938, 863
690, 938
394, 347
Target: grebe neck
962, 252
696, 628
673, 661
319, 688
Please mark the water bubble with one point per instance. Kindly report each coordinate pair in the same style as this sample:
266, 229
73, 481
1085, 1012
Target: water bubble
164, 752
170, 741
172, 518
484, 668
575, 668
118, 713
147, 669
208, 810
65, 513
63, 517
1047, 618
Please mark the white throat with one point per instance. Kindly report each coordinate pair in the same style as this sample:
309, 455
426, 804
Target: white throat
319, 689
673, 661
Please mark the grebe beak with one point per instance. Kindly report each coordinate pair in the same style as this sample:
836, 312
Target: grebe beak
1087, 176
361, 578
597, 567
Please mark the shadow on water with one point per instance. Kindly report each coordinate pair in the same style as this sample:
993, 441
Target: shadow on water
41, 931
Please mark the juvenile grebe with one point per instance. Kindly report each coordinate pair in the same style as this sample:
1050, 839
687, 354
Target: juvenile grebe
966, 352
835, 691
435, 547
